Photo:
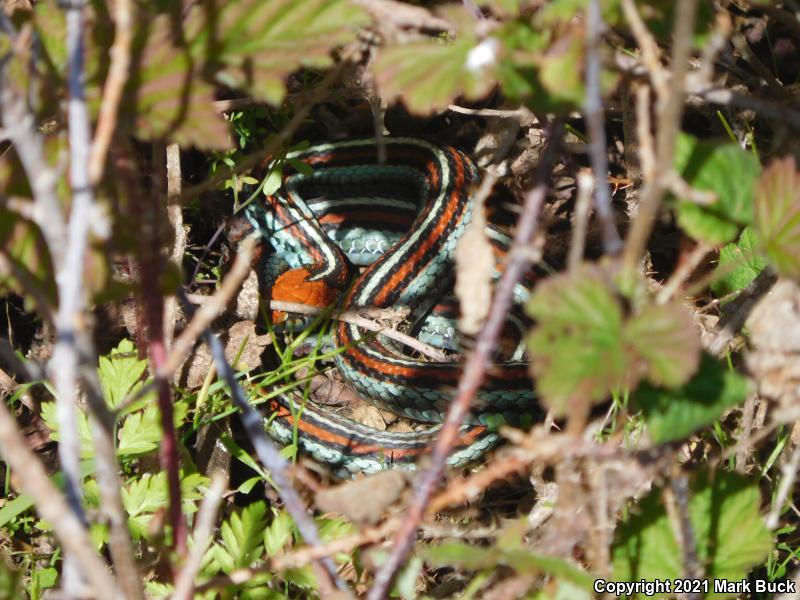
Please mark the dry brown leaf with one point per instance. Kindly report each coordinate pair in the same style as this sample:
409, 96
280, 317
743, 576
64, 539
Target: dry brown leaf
369, 416
196, 368
474, 268
363, 500
774, 327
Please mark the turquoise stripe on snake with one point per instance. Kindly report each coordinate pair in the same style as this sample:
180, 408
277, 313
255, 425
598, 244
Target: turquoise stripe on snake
411, 269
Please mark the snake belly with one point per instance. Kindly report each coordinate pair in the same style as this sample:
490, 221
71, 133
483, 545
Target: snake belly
408, 267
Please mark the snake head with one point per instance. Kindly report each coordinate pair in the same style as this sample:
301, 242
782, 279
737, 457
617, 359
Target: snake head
295, 286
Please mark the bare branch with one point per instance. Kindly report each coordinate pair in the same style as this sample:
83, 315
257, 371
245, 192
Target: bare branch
583, 208
114, 86
206, 517
668, 127
612, 244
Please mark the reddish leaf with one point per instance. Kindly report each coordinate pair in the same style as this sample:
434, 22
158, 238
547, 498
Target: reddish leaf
777, 216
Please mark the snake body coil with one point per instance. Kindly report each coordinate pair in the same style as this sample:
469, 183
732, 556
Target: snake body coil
421, 181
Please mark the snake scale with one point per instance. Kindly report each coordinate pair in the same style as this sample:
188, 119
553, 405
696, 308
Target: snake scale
348, 210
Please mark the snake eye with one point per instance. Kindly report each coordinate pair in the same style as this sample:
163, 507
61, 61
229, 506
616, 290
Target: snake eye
294, 286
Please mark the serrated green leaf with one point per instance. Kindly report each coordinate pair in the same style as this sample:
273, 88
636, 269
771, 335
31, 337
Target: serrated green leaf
725, 170
666, 343
744, 254
777, 219
279, 533
259, 43
428, 75
242, 536
120, 372
141, 431
576, 348
84, 432
169, 97
677, 413
582, 347
144, 496
730, 535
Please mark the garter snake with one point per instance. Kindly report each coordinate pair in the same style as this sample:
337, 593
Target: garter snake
422, 183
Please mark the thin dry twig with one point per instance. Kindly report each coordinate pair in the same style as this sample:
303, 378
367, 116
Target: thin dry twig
743, 440
210, 309
683, 272
51, 506
474, 369
789, 475
175, 215
651, 54
517, 113
676, 497
113, 88
353, 317
612, 244
668, 126
206, 517
583, 208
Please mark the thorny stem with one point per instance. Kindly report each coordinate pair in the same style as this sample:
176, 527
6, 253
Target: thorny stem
474, 370
154, 311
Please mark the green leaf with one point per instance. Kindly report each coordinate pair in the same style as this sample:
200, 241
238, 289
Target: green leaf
279, 533
242, 537
141, 432
748, 263
576, 348
582, 347
730, 174
169, 96
559, 72
144, 496
730, 534
258, 43
676, 414
429, 75
120, 372
666, 343
14, 508
273, 181
84, 432
777, 220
